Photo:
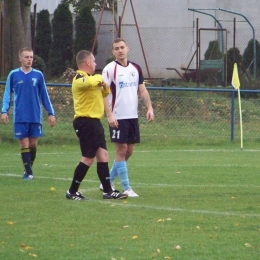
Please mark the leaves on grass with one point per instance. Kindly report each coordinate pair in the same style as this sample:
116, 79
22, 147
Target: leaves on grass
9, 222
134, 237
26, 247
52, 189
247, 245
162, 219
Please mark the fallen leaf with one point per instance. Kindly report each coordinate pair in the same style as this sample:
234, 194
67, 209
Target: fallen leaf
126, 226
177, 247
134, 237
247, 245
160, 220
9, 222
52, 189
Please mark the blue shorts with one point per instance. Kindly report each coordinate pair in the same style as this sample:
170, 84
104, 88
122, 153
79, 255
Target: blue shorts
24, 130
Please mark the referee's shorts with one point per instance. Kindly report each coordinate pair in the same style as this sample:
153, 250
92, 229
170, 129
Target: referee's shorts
91, 135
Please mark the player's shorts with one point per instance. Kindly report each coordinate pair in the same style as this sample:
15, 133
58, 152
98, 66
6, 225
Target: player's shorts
26, 130
91, 135
127, 131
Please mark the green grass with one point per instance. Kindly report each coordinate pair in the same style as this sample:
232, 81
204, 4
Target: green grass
204, 198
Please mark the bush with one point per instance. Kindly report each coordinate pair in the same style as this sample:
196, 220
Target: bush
233, 56
62, 28
39, 64
213, 52
248, 55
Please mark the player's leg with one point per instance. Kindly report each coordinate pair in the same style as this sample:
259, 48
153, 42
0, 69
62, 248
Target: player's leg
81, 126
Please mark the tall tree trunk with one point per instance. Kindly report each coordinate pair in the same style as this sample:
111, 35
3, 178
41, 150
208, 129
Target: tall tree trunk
20, 27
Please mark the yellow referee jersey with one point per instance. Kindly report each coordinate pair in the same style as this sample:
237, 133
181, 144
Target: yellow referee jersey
88, 94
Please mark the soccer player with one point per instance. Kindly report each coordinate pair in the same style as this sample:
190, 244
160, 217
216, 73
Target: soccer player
121, 106
88, 92
27, 85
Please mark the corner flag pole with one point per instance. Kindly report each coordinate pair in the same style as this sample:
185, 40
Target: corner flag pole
236, 84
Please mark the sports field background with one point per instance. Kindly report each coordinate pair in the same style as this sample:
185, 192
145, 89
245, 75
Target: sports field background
199, 192
196, 202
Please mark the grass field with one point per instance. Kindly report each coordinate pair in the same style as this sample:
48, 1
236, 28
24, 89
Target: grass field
196, 202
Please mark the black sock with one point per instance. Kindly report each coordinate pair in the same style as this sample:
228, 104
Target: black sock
103, 174
33, 154
26, 159
79, 174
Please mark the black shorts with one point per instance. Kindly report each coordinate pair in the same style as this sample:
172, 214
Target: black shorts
91, 135
127, 131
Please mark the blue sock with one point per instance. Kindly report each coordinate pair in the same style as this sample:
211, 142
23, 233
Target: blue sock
113, 173
122, 173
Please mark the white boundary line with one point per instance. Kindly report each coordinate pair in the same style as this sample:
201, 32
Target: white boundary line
223, 213
140, 184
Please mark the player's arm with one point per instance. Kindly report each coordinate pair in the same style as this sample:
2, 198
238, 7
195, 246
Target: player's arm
46, 102
144, 94
109, 114
6, 101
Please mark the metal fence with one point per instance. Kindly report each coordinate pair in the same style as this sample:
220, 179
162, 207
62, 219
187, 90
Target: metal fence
186, 114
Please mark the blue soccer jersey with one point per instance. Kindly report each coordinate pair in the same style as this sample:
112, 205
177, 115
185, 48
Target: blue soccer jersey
29, 95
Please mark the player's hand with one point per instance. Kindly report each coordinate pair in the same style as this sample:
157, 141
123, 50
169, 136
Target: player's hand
112, 121
150, 115
5, 119
105, 85
51, 120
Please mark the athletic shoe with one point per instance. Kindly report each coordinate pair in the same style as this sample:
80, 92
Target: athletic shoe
27, 177
112, 187
114, 195
130, 193
75, 196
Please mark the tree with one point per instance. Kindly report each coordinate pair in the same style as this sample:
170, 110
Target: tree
20, 27
233, 56
213, 52
248, 55
43, 35
62, 28
92, 4
85, 27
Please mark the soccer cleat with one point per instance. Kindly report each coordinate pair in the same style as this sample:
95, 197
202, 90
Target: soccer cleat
112, 187
27, 177
130, 193
75, 196
114, 195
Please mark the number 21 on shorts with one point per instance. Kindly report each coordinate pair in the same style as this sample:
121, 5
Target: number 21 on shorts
116, 134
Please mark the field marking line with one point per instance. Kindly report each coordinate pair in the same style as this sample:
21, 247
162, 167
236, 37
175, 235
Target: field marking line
140, 184
150, 151
208, 212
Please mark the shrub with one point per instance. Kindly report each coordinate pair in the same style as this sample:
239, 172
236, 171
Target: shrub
213, 52
62, 28
43, 35
39, 64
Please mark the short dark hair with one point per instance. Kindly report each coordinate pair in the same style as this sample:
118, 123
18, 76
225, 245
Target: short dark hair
82, 55
118, 40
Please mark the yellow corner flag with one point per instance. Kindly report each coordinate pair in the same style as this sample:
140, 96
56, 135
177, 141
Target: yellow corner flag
236, 84
235, 79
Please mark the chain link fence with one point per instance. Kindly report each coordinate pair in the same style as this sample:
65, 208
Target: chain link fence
187, 115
